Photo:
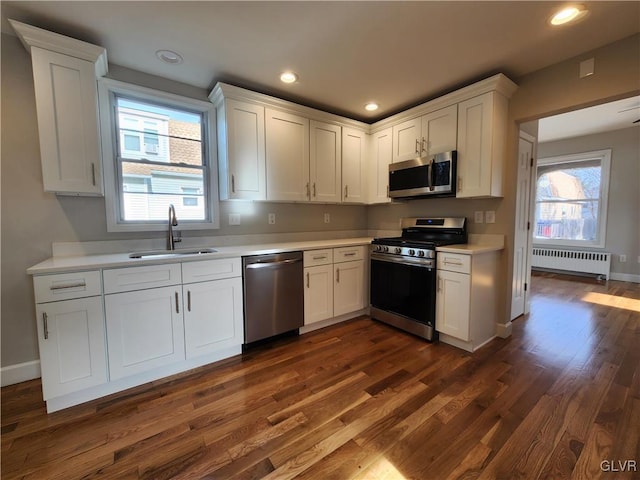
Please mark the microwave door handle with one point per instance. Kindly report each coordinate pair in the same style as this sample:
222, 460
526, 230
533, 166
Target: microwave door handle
431, 174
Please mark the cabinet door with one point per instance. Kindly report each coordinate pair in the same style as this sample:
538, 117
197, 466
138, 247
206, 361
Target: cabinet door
71, 338
318, 293
406, 140
67, 108
353, 166
381, 150
452, 304
242, 151
287, 153
440, 131
213, 316
475, 138
325, 162
348, 287
145, 330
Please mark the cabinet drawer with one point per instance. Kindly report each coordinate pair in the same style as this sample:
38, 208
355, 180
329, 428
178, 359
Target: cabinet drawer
318, 257
347, 254
211, 270
454, 262
65, 286
139, 278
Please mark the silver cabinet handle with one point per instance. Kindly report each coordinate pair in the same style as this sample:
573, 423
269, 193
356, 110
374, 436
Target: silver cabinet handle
314, 189
93, 174
45, 325
308, 191
417, 147
68, 285
308, 280
233, 184
177, 306
337, 275
440, 284
450, 262
424, 145
320, 257
189, 300
350, 254
346, 191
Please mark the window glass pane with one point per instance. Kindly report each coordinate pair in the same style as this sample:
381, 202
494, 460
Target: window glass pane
131, 143
568, 201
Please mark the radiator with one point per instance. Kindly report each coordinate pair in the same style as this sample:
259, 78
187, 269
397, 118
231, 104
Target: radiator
572, 260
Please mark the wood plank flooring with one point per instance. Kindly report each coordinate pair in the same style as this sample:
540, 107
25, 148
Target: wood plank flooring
361, 400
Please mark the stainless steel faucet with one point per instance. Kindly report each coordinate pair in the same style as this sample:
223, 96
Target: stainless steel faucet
173, 222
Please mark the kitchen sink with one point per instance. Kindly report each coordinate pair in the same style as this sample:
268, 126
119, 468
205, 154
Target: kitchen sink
172, 253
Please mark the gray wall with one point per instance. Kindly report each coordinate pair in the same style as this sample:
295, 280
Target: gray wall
32, 220
623, 212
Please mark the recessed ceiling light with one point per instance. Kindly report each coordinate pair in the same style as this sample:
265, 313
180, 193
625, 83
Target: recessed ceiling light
371, 106
169, 56
568, 14
288, 77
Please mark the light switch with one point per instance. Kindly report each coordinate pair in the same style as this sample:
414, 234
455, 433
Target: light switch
272, 219
234, 219
327, 218
479, 217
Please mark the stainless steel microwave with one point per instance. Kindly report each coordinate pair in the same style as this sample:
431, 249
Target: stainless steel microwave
424, 176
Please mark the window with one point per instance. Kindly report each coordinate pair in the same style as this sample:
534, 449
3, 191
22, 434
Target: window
571, 199
157, 152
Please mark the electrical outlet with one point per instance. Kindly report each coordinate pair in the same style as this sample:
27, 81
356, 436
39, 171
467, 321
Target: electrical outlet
234, 219
623, 259
272, 219
490, 216
327, 218
478, 217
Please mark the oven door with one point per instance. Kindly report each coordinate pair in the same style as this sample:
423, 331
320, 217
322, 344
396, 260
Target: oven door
404, 288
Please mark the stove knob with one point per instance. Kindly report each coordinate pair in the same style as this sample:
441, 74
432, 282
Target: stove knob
398, 250
385, 249
412, 252
421, 253
378, 248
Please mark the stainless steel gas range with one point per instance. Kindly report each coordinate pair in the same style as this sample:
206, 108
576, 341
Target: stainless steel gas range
403, 273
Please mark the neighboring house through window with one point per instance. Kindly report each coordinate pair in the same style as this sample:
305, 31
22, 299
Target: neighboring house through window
571, 199
159, 154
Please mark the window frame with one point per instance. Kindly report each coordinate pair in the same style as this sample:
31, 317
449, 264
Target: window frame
107, 88
604, 156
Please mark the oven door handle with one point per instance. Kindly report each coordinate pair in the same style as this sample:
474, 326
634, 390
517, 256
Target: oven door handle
417, 262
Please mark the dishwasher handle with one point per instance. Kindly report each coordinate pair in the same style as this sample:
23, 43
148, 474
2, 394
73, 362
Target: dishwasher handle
273, 264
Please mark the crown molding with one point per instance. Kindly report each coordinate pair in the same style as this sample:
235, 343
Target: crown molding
31, 36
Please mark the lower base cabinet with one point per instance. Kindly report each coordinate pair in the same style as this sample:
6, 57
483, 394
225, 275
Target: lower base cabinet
318, 293
213, 316
348, 287
453, 304
72, 345
145, 330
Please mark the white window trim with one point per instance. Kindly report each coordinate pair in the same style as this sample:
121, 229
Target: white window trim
107, 124
605, 158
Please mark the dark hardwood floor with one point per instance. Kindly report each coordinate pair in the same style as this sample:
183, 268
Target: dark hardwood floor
559, 399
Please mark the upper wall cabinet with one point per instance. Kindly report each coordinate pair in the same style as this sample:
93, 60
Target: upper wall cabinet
380, 158
325, 162
354, 163
482, 130
287, 154
65, 71
241, 150
432, 133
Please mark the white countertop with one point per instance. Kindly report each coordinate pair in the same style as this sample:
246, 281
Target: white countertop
89, 262
471, 248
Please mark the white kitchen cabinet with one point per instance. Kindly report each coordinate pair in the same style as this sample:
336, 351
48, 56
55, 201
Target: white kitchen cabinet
71, 339
287, 156
482, 130
348, 287
318, 293
354, 166
64, 73
429, 134
241, 150
452, 306
381, 153
325, 162
145, 330
213, 312
466, 298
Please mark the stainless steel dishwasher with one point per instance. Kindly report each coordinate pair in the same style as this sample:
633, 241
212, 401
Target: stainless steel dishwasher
273, 294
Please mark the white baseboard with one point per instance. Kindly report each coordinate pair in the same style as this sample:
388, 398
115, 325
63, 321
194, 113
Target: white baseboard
625, 277
503, 330
20, 372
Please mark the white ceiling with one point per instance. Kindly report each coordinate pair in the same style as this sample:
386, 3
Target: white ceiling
346, 53
600, 118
